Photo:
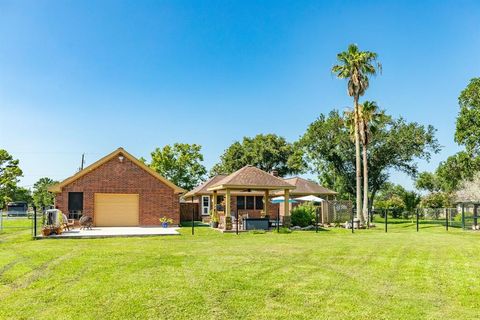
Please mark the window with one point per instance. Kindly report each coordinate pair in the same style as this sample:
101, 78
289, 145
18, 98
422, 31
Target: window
220, 205
240, 203
75, 205
205, 205
259, 203
250, 202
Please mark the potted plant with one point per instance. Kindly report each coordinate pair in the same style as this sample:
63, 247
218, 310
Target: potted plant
46, 231
165, 222
214, 218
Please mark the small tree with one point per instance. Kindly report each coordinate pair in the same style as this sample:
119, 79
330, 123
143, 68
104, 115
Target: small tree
41, 196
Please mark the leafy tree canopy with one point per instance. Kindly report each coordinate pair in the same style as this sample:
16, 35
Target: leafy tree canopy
468, 120
9, 174
396, 144
41, 196
449, 174
394, 196
268, 152
22, 194
436, 200
180, 163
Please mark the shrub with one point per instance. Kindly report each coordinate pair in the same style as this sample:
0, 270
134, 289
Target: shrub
284, 230
303, 215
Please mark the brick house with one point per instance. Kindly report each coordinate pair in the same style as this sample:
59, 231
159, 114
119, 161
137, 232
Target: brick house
252, 202
119, 190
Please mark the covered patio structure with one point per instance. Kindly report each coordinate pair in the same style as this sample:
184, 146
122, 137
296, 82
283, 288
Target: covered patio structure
249, 179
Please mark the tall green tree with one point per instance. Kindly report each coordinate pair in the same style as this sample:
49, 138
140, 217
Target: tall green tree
468, 120
10, 172
180, 163
395, 145
41, 197
357, 66
265, 151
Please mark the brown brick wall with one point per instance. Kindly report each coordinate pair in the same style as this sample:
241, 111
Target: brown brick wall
156, 199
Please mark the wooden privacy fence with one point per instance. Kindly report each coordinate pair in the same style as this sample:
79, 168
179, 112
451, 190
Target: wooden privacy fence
186, 209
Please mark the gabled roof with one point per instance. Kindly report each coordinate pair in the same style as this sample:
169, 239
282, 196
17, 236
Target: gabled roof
120, 151
203, 188
250, 177
307, 187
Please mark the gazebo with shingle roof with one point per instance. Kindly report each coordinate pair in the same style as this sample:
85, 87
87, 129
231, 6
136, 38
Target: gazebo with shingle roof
250, 178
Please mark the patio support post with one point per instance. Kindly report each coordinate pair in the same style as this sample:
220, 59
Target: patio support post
214, 201
463, 216
228, 218
227, 203
265, 202
286, 218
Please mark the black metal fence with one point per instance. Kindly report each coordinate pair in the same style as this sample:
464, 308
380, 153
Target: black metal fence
10, 223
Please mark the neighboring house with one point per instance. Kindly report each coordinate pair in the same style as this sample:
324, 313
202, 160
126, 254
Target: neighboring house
119, 190
252, 202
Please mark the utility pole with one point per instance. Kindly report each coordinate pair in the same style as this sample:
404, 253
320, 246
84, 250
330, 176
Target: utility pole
82, 163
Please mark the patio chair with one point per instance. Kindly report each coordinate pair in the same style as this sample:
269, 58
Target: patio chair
67, 223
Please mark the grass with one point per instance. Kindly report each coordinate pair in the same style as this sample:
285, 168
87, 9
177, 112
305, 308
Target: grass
302, 275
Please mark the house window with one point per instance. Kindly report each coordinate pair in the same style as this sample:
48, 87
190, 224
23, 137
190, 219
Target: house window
205, 205
259, 203
220, 205
240, 203
75, 205
250, 202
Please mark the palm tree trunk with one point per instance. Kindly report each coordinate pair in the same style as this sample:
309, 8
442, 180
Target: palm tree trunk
358, 162
365, 184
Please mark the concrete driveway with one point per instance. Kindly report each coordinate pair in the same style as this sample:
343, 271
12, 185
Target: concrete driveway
109, 232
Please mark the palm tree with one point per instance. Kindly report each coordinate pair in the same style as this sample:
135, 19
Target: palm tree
370, 118
357, 66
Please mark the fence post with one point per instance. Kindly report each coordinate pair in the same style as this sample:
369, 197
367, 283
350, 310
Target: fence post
463, 216
446, 219
34, 222
417, 218
353, 214
386, 220
193, 218
236, 218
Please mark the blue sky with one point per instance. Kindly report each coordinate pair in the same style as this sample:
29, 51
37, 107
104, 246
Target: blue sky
90, 76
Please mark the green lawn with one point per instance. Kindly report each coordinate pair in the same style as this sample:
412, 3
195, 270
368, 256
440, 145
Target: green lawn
432, 274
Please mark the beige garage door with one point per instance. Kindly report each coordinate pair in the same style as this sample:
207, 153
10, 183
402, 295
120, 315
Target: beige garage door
115, 210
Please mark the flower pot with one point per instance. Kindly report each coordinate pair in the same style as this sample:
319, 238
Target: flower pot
165, 224
214, 224
46, 232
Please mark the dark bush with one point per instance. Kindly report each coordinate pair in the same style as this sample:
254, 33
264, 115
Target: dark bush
303, 215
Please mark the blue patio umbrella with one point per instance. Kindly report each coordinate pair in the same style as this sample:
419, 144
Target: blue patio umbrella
281, 199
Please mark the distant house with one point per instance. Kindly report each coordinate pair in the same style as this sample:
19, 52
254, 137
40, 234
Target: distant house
118, 190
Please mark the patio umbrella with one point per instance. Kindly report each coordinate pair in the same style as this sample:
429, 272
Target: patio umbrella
281, 199
310, 198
